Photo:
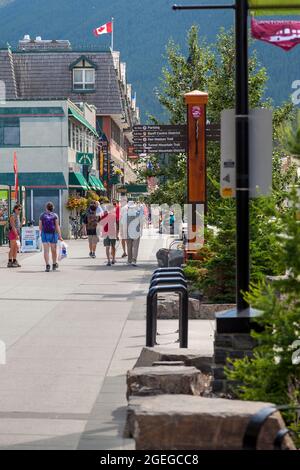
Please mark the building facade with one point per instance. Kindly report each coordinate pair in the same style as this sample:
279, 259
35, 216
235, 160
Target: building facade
42, 69
56, 145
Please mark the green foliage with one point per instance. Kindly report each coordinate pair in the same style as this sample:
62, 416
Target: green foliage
209, 71
218, 280
221, 82
216, 276
172, 173
271, 375
290, 135
182, 75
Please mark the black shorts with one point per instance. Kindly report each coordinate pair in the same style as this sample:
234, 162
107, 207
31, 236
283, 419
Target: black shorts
109, 242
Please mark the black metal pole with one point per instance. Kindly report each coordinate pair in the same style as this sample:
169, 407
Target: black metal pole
242, 156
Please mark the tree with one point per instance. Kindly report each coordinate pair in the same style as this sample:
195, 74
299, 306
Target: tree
182, 75
209, 69
272, 374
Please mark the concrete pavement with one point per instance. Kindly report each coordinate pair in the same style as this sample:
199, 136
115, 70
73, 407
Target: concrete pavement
71, 336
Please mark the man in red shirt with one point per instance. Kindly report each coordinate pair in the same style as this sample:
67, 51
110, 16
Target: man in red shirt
109, 230
118, 215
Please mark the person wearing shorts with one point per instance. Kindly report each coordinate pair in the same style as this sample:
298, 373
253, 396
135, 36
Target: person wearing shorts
110, 234
50, 234
14, 236
91, 220
119, 228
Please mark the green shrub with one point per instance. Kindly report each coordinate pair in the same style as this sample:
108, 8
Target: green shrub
271, 374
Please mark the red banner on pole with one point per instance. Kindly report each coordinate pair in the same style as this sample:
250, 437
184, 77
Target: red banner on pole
283, 34
16, 176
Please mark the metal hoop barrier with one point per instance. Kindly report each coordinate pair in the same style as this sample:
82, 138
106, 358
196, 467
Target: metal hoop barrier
168, 274
168, 280
256, 423
165, 270
152, 313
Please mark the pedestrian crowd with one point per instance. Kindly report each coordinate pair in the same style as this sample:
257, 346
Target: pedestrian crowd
116, 222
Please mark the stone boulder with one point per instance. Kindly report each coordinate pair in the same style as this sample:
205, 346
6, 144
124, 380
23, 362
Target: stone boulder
176, 258
171, 258
186, 422
168, 308
163, 380
190, 357
162, 257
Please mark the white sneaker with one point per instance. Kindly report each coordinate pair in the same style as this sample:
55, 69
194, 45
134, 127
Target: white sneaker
128, 263
134, 264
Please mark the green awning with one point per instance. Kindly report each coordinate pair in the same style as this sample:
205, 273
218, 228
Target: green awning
82, 120
92, 182
96, 183
35, 180
99, 183
256, 7
77, 180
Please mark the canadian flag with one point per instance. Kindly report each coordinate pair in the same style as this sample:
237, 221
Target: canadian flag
104, 29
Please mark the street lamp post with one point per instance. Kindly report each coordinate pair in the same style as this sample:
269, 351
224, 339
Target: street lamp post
242, 156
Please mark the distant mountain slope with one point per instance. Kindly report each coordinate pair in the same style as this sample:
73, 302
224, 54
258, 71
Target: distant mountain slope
142, 29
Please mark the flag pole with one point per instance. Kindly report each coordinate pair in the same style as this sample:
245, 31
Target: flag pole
112, 34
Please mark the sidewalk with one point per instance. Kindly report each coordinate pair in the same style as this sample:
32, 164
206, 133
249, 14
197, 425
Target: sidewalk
3, 254
71, 336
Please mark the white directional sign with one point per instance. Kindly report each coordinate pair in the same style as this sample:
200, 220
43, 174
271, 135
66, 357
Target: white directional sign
228, 174
260, 153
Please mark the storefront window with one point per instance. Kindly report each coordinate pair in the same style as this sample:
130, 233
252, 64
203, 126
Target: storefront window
3, 205
9, 132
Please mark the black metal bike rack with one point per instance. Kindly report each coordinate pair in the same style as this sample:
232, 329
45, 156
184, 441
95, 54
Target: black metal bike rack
167, 274
164, 270
168, 280
256, 423
151, 323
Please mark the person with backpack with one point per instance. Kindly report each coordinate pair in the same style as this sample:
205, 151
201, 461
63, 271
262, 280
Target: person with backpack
50, 234
91, 220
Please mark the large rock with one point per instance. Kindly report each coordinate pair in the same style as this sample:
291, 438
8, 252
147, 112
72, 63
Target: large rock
168, 308
179, 422
162, 257
171, 258
176, 258
190, 357
163, 380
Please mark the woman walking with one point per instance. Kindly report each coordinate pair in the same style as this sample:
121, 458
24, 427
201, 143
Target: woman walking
51, 233
14, 237
91, 220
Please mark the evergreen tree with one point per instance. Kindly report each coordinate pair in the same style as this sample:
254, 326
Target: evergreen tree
273, 374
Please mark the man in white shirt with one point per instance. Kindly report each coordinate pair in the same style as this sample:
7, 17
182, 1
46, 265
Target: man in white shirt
132, 226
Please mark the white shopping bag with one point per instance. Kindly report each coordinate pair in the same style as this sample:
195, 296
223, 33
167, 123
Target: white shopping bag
62, 250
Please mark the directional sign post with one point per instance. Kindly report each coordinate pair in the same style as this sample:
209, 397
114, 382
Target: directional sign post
159, 139
196, 102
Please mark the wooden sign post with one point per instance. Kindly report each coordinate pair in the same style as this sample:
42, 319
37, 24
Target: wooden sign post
196, 102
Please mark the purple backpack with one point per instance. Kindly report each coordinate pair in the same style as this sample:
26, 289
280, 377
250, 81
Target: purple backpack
48, 221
